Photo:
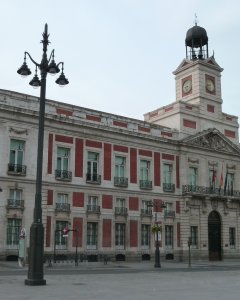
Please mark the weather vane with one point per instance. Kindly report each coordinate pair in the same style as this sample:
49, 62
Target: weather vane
195, 19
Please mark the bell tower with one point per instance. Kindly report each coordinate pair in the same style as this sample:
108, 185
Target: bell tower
198, 104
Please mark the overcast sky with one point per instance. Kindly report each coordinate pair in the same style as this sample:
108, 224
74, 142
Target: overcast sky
119, 55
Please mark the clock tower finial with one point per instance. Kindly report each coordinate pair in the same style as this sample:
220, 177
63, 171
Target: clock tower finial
195, 19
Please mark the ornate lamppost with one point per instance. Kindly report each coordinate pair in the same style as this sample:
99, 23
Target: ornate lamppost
47, 65
156, 229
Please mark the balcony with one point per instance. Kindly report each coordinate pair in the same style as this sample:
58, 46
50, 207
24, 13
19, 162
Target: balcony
62, 207
14, 169
93, 178
169, 214
63, 175
145, 184
169, 187
121, 211
15, 204
146, 212
204, 191
94, 209
121, 181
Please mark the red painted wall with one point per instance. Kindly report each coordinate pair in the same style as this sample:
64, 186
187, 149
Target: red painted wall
120, 148
145, 152
177, 172
107, 201
133, 233
157, 205
157, 169
50, 197
93, 144
77, 236
133, 165
79, 158
48, 231
50, 152
178, 207
64, 139
78, 199
107, 161
107, 233
133, 203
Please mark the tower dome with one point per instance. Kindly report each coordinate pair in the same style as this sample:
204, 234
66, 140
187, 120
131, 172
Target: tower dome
197, 41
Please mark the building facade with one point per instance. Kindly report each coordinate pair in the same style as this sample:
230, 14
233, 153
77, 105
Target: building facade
110, 179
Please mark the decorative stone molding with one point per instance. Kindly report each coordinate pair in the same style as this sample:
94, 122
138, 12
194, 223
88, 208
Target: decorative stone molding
18, 131
231, 167
212, 163
193, 160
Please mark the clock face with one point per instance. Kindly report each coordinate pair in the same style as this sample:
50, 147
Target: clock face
210, 85
187, 86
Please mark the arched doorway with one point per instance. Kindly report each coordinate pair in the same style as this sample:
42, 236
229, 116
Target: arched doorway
214, 236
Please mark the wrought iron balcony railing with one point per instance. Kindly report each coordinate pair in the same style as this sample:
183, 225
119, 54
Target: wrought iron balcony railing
146, 212
63, 175
93, 209
93, 178
145, 184
169, 187
169, 214
203, 190
121, 181
63, 207
121, 211
17, 169
13, 203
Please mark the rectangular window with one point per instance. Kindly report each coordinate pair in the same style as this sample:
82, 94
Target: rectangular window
167, 173
144, 170
62, 202
194, 236
232, 237
63, 157
13, 232
60, 240
169, 236
16, 159
193, 176
92, 235
120, 165
15, 198
120, 235
145, 235
92, 166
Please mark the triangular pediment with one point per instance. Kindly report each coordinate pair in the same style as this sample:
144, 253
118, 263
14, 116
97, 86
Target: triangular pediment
211, 60
212, 139
185, 63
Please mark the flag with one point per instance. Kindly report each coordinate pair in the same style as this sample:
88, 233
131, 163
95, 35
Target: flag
226, 182
213, 177
221, 179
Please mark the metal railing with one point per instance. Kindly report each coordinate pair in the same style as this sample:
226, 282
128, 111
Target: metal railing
14, 203
64, 207
93, 178
169, 187
93, 208
17, 169
145, 184
203, 190
121, 181
63, 175
169, 214
146, 212
121, 211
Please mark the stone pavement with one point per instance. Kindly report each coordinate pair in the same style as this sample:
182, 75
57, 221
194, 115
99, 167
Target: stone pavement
150, 283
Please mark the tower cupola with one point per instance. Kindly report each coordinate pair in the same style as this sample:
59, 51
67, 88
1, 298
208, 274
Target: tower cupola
196, 43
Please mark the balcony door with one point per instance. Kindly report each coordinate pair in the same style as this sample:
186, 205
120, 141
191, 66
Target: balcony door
214, 236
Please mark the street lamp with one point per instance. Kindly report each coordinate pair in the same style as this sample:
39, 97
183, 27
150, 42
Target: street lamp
156, 229
35, 269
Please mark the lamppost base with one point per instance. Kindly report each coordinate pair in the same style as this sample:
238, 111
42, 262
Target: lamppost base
157, 266
35, 282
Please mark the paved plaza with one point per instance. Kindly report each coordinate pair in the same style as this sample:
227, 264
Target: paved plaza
127, 281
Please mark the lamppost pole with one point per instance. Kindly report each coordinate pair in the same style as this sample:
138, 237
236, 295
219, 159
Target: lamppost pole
156, 231
36, 247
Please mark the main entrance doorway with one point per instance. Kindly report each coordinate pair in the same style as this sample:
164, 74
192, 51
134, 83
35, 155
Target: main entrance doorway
214, 236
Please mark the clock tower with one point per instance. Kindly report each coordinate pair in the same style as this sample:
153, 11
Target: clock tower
198, 104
